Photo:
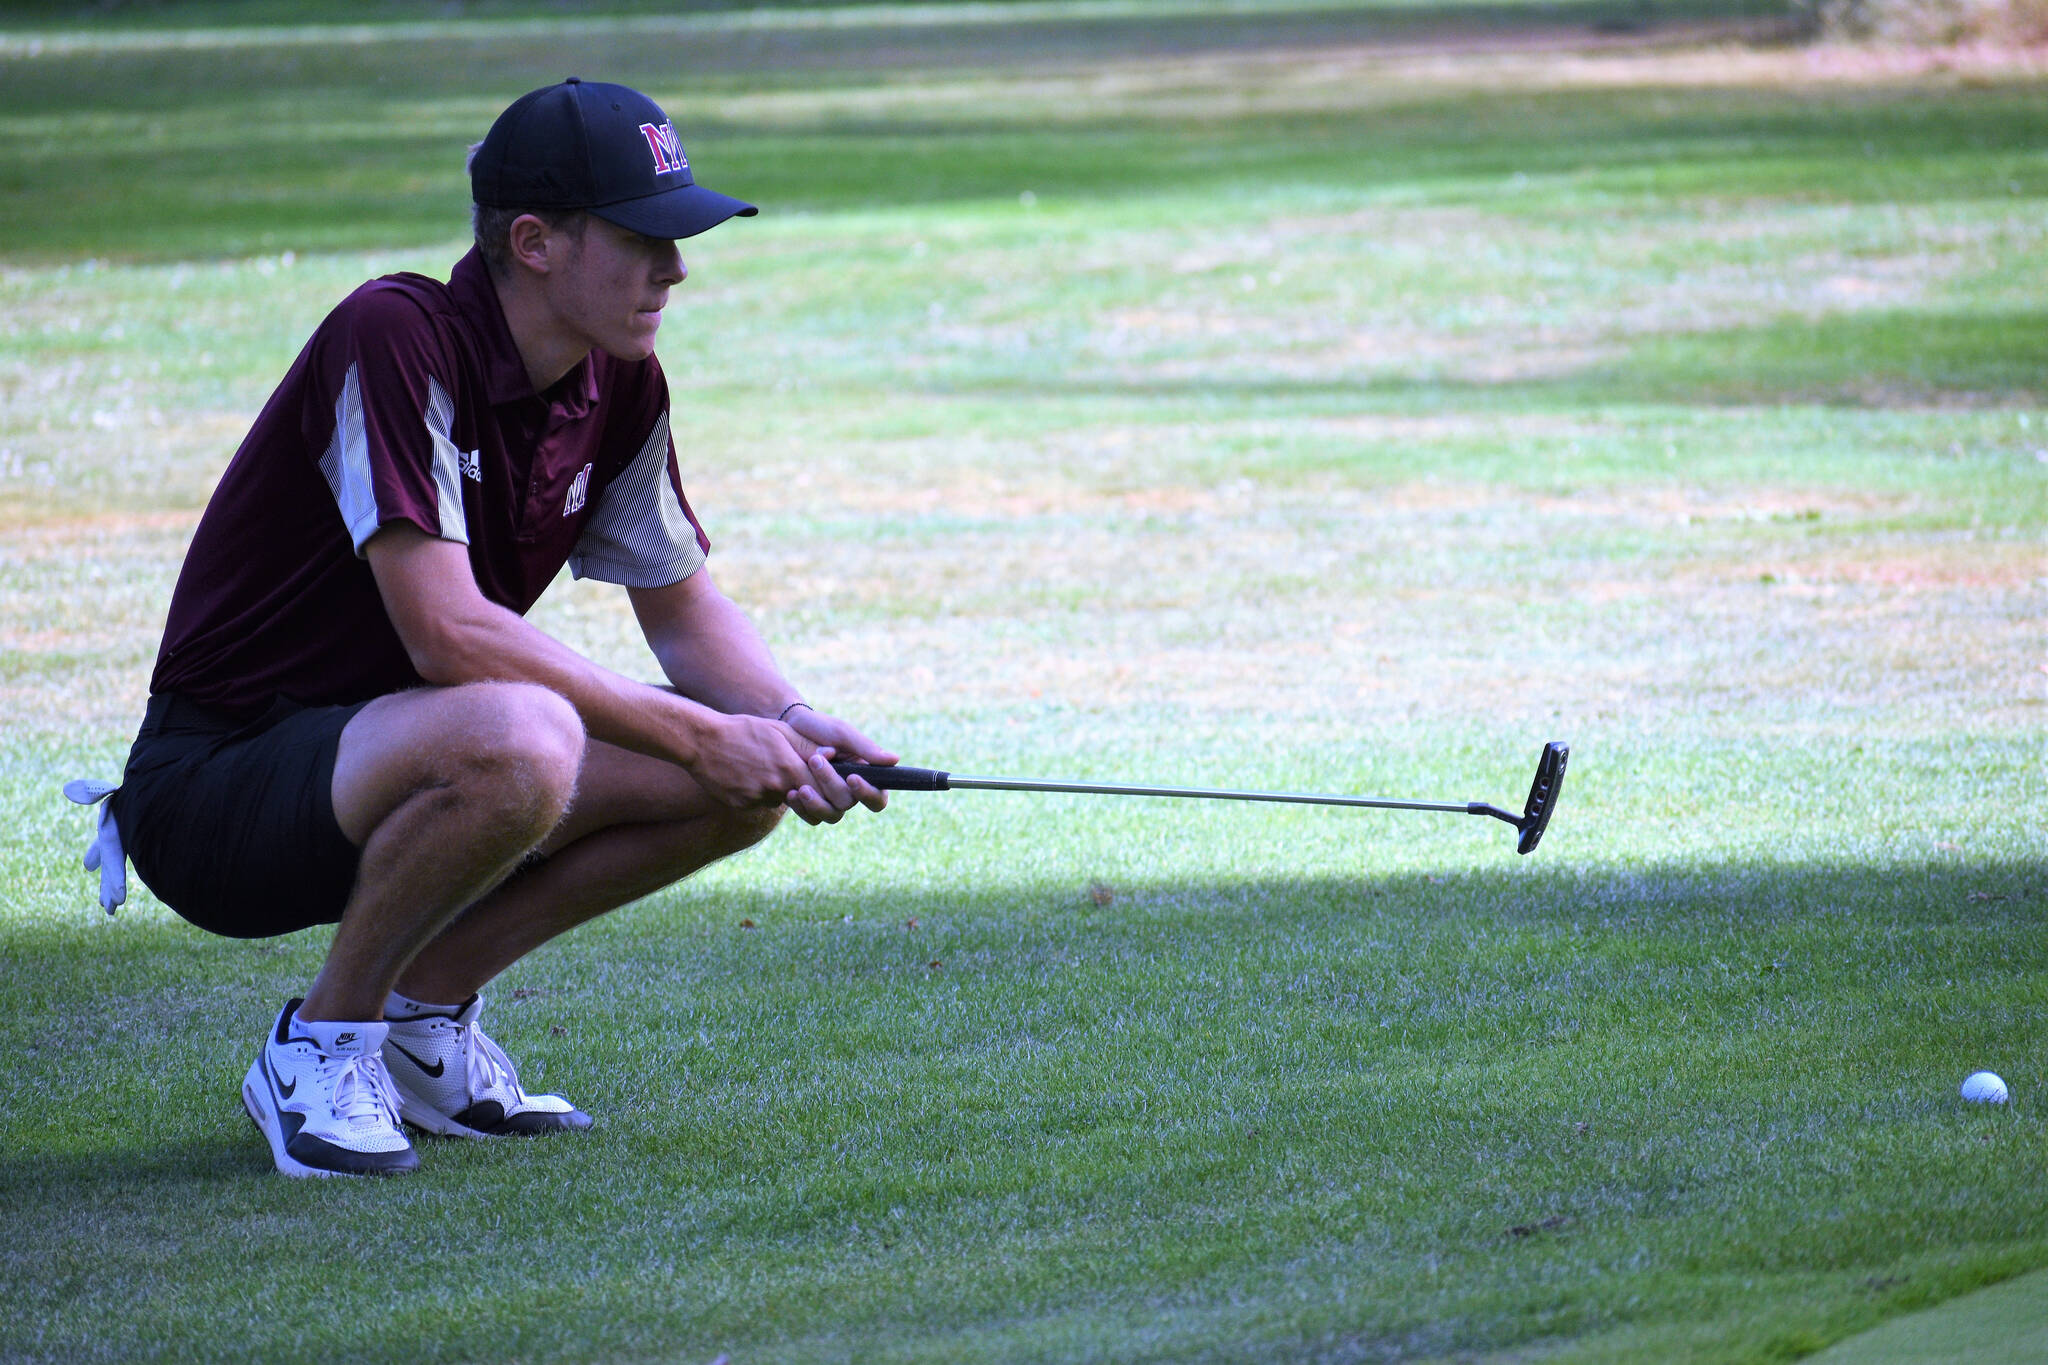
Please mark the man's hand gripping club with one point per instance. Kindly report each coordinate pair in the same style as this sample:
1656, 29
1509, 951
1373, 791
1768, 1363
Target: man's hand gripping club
764, 762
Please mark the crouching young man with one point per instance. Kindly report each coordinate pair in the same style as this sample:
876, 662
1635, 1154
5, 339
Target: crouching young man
351, 722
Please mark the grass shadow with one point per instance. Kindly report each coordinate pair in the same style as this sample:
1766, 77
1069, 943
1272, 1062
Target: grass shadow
886, 1109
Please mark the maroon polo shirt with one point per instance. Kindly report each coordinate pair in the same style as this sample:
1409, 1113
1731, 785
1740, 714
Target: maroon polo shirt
411, 404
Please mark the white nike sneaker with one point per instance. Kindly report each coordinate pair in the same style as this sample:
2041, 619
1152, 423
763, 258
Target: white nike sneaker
454, 1081
319, 1094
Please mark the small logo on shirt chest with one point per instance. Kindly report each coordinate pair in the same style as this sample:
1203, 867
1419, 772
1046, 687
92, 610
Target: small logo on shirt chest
579, 492
473, 465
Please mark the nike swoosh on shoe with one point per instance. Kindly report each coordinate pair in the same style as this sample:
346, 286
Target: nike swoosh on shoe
433, 1072
283, 1091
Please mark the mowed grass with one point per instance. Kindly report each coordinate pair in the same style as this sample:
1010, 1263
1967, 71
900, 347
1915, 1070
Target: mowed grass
1268, 411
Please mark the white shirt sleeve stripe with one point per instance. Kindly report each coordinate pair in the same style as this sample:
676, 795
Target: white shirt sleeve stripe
346, 465
447, 464
638, 535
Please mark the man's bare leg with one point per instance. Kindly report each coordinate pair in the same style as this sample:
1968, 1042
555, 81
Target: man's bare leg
638, 824
443, 790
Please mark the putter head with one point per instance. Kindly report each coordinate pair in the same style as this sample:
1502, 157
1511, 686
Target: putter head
1542, 795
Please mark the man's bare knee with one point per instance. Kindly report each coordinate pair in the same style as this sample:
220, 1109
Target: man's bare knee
528, 725
740, 829
512, 750
732, 831
692, 844
521, 743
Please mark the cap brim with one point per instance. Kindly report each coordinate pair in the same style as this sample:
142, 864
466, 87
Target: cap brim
683, 211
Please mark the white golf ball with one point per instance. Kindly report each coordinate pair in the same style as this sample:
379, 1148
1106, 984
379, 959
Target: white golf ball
1984, 1087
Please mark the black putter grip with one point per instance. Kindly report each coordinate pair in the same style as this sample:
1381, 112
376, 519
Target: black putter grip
895, 779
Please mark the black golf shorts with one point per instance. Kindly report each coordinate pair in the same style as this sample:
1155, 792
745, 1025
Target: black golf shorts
231, 822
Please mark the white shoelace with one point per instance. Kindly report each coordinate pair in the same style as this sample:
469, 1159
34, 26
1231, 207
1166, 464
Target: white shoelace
363, 1090
484, 1065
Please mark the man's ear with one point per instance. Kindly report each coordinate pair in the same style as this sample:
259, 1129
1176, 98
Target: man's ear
526, 241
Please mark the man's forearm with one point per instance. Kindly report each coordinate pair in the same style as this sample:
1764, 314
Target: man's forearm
709, 650
455, 636
491, 644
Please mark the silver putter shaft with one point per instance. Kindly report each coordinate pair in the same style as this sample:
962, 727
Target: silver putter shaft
1530, 824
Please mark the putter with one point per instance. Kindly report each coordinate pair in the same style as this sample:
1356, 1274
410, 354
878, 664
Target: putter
1529, 825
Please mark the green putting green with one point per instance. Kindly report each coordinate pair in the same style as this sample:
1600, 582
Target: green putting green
2006, 1324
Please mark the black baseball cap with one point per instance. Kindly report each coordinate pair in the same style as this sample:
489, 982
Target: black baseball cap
605, 148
